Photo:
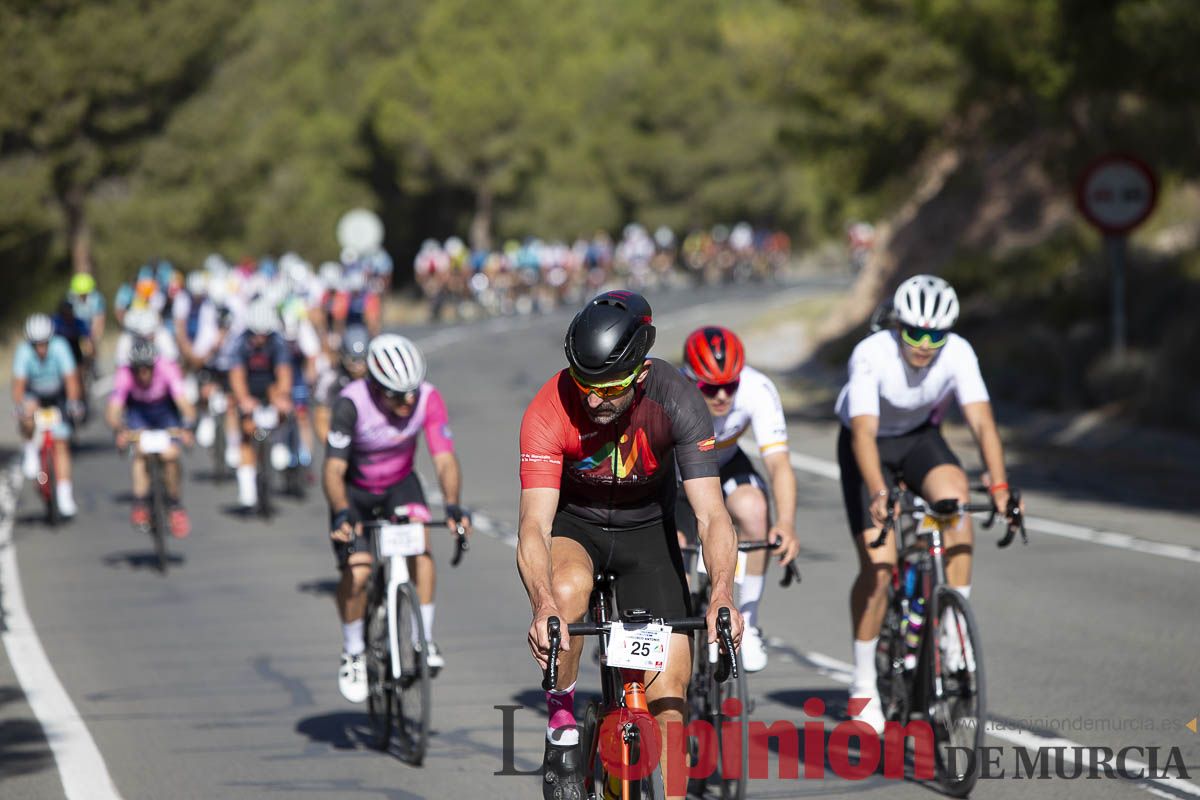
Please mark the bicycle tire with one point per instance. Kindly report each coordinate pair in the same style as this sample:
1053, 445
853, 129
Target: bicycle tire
158, 513
380, 700
263, 478
733, 788
220, 468
50, 492
891, 680
589, 732
959, 720
412, 685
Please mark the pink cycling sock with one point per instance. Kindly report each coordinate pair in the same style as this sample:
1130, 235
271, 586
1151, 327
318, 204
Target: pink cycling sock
561, 707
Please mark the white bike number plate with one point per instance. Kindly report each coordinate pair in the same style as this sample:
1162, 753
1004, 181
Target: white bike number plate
739, 571
266, 417
402, 540
154, 441
48, 418
639, 646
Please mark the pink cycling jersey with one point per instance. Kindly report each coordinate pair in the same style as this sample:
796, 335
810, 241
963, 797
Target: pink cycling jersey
381, 447
165, 384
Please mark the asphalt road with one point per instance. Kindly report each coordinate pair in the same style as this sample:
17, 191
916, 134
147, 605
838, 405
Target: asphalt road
218, 680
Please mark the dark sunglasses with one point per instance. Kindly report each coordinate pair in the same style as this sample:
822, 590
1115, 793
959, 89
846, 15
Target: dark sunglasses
923, 337
392, 395
713, 389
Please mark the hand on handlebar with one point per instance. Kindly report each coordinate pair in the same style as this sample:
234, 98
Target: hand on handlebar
342, 530
787, 545
539, 636
881, 508
715, 603
122, 439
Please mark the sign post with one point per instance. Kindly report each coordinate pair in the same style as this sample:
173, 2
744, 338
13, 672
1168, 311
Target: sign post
1116, 193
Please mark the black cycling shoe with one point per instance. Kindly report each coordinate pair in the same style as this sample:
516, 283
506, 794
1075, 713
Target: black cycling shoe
562, 772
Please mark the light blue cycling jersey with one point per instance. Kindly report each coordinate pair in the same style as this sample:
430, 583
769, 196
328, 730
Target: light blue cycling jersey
45, 378
87, 307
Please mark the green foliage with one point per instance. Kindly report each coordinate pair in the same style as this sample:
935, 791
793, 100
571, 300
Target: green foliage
179, 127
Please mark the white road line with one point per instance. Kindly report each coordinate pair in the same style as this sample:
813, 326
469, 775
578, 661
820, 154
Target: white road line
843, 673
1067, 530
80, 765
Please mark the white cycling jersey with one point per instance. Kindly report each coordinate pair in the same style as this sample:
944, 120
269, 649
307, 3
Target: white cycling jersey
756, 405
882, 384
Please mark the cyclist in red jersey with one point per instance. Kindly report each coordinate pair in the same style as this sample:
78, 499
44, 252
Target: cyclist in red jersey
600, 444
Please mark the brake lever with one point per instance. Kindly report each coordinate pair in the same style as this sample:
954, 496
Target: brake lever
461, 545
1016, 520
791, 574
550, 679
727, 666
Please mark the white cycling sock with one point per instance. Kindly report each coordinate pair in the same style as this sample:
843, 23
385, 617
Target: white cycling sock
965, 591
247, 476
352, 637
64, 490
749, 593
427, 620
31, 449
864, 664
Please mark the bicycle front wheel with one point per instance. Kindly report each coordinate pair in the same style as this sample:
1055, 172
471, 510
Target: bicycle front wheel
50, 487
158, 512
412, 684
379, 670
733, 781
958, 715
889, 664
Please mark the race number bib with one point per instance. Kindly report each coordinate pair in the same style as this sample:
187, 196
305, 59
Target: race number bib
154, 441
48, 418
639, 646
266, 417
401, 540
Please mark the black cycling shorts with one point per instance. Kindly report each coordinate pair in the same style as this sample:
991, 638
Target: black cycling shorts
366, 506
739, 471
908, 457
645, 559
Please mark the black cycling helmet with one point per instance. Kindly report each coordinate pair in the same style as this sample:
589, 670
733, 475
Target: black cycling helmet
142, 353
610, 337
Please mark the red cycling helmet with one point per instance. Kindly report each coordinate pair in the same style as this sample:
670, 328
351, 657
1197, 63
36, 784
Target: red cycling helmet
713, 355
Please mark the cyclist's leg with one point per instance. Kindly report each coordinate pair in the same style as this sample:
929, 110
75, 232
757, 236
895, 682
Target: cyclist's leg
354, 562
746, 498
868, 594
932, 466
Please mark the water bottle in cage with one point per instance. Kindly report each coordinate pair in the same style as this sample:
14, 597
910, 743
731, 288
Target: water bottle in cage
912, 636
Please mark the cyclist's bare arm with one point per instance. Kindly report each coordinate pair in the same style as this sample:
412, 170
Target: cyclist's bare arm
283, 386
18, 393
449, 475
783, 489
715, 529
863, 431
982, 423
536, 520
71, 381
333, 480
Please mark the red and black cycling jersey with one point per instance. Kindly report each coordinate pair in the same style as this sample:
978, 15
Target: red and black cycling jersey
620, 474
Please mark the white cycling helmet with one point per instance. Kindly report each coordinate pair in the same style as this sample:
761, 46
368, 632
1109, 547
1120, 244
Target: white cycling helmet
926, 301
261, 319
143, 322
38, 328
395, 363
330, 273
197, 283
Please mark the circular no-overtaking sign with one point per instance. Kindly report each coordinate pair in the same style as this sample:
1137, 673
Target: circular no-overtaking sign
360, 229
1116, 193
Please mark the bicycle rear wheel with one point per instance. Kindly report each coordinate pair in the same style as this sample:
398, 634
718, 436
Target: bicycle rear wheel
158, 512
412, 684
220, 468
379, 670
958, 717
